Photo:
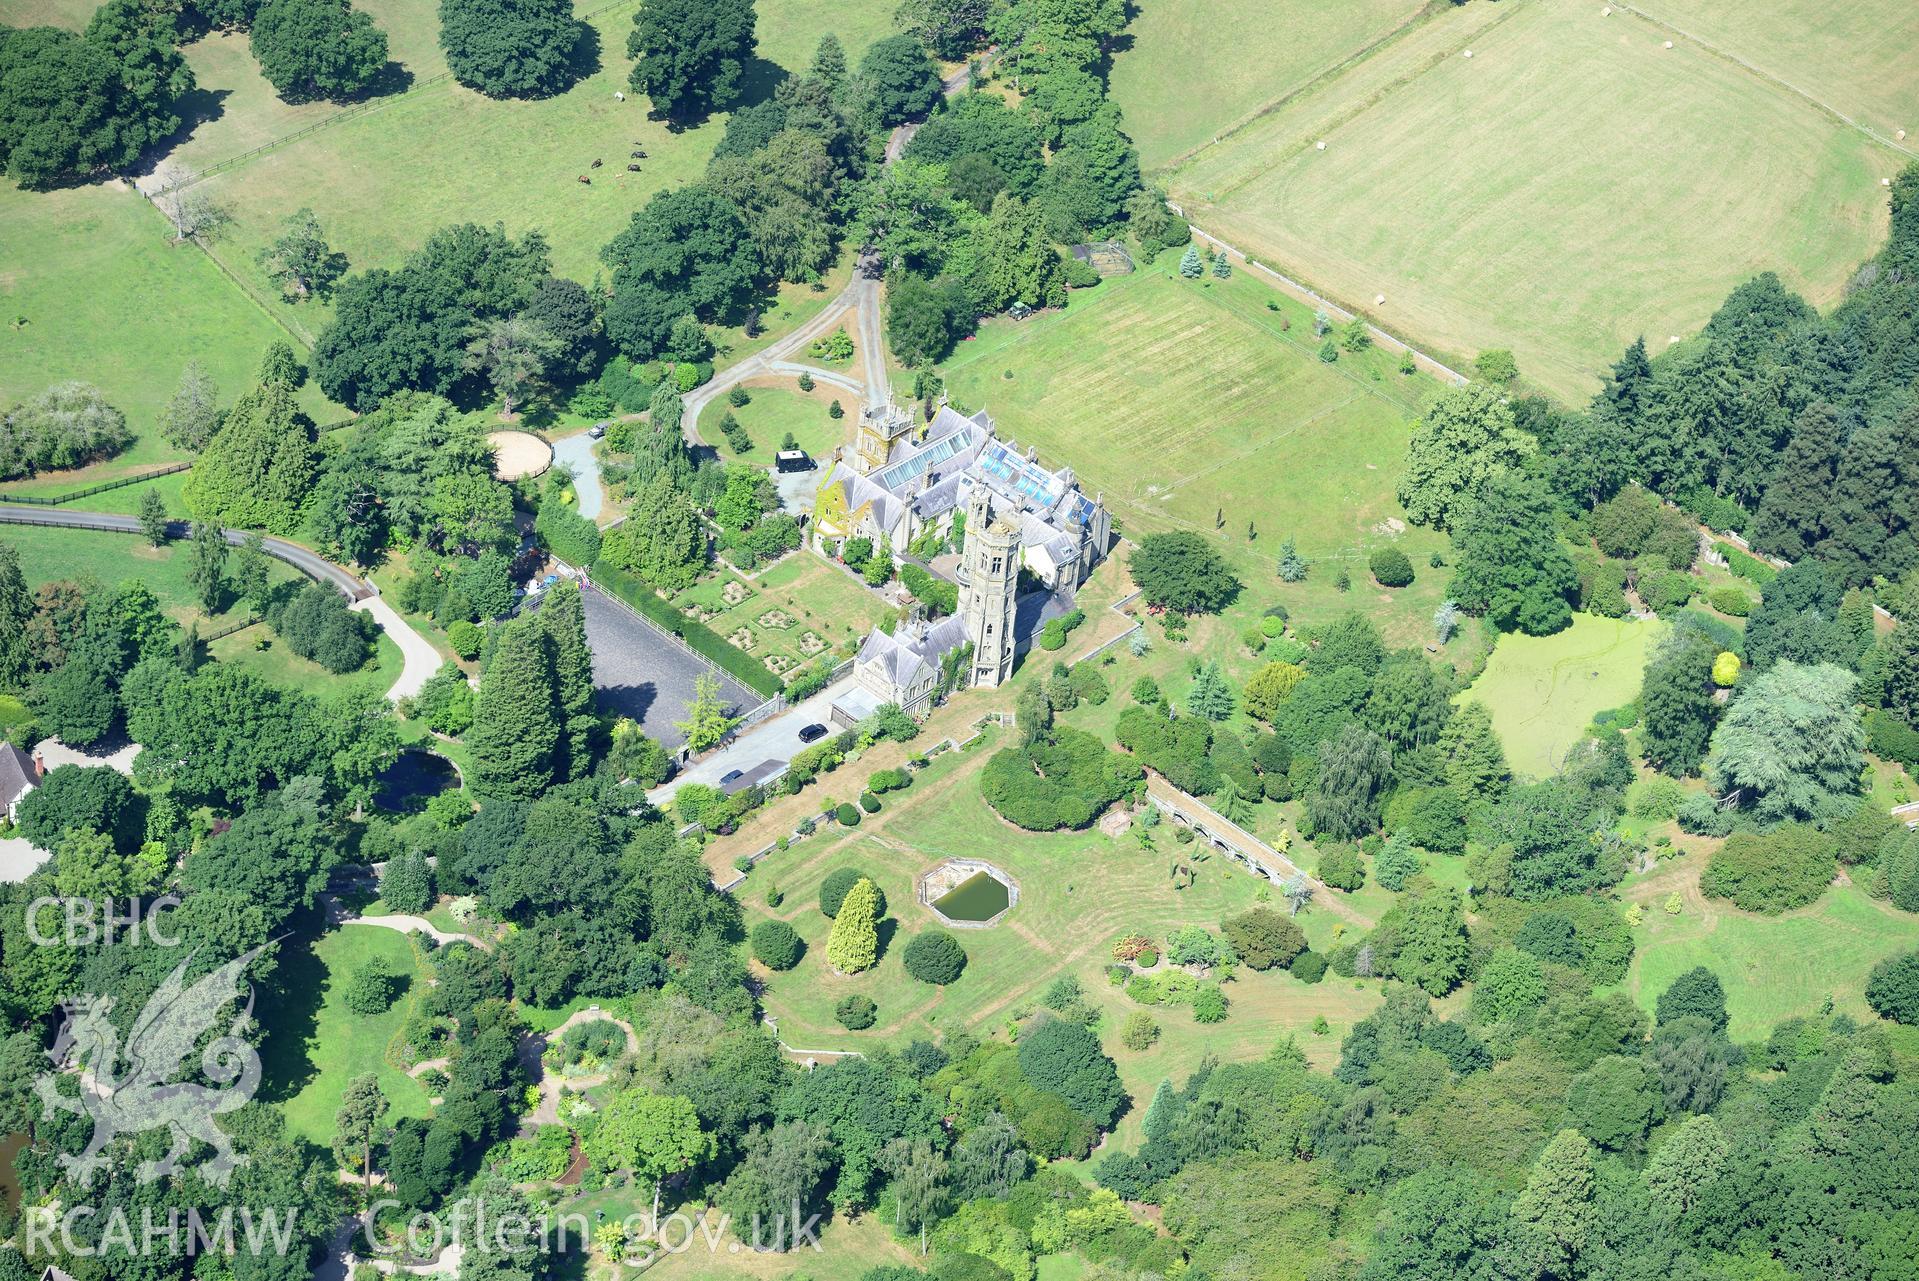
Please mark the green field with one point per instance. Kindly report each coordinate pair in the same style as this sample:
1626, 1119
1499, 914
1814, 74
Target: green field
774, 411
1185, 402
1493, 207
1255, 52
105, 297
48, 554
1079, 891
1544, 690
316, 1046
92, 288
1772, 967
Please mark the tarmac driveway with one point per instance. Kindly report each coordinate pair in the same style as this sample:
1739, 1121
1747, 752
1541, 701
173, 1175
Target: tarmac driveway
641, 674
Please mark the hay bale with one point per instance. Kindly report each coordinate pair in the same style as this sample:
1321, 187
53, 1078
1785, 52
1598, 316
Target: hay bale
1669, 44
1319, 146
1469, 53
1379, 300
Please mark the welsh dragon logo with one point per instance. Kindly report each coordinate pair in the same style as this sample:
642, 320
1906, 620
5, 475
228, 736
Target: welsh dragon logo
132, 1090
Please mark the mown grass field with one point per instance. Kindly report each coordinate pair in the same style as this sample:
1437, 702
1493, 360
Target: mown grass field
1250, 53
1079, 892
1543, 690
1189, 402
1494, 207
1772, 967
50, 555
106, 298
315, 1049
1856, 58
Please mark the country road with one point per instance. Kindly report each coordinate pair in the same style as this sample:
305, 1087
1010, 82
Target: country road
420, 659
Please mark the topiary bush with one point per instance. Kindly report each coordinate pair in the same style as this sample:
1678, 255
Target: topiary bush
1340, 868
869, 802
1309, 967
1893, 988
848, 815
856, 1013
1064, 783
834, 888
776, 945
1771, 872
1391, 568
1730, 601
935, 957
465, 638
1209, 1005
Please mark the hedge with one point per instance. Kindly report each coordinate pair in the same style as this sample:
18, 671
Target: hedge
1064, 783
703, 640
567, 534
1730, 601
1745, 564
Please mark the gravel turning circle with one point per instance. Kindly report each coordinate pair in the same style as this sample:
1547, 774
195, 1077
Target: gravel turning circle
519, 454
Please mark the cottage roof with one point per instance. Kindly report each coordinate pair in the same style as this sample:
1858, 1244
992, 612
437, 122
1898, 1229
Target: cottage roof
17, 775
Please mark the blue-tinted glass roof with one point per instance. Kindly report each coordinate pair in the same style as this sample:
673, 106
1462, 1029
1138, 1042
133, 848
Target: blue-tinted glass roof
1029, 480
899, 474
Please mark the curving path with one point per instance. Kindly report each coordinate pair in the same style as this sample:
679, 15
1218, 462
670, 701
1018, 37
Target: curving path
533, 1045
420, 659
337, 914
575, 453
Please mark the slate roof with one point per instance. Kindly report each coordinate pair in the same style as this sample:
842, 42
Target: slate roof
17, 774
906, 657
934, 477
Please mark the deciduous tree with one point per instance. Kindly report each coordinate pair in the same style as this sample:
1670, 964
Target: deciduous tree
692, 54
312, 49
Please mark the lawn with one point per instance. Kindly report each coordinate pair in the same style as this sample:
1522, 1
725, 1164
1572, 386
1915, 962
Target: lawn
92, 288
1079, 891
1255, 52
1493, 208
789, 615
778, 407
1773, 967
381, 181
280, 666
1544, 690
1191, 405
313, 1053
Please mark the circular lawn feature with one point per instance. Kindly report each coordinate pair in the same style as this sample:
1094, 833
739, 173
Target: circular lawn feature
518, 454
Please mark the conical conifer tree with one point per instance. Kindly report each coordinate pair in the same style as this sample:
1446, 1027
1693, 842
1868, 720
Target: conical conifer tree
1792, 513
516, 731
854, 943
564, 618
